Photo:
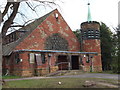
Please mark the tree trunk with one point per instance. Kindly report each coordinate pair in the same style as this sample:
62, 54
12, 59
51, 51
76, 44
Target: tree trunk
0, 54
8, 22
0, 60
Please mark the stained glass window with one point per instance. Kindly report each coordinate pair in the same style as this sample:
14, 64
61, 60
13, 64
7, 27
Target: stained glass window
56, 42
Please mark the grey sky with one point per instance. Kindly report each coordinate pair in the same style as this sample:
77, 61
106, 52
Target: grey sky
75, 12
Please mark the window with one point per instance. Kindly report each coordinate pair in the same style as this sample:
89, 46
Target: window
32, 58
84, 32
15, 36
43, 58
7, 59
17, 59
38, 59
56, 42
90, 34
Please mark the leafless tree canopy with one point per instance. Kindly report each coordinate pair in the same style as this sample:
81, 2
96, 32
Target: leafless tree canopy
12, 9
9, 21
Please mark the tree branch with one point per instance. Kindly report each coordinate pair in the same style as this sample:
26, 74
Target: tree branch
47, 2
10, 19
30, 6
6, 9
17, 26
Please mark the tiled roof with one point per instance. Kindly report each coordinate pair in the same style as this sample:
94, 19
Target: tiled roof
8, 48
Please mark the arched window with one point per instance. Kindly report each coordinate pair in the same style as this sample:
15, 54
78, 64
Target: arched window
56, 42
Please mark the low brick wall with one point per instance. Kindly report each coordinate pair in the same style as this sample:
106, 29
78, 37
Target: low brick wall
86, 68
31, 72
97, 68
44, 71
17, 73
25, 73
94, 68
54, 68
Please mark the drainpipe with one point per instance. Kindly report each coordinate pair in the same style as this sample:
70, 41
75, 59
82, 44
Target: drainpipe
91, 64
69, 66
81, 41
69, 63
49, 56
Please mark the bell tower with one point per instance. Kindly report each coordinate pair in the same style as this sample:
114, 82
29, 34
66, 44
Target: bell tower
90, 42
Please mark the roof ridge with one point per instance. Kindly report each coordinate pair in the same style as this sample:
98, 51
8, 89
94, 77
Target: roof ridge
30, 27
40, 20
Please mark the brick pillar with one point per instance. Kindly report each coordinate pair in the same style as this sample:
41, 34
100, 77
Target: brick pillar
90, 35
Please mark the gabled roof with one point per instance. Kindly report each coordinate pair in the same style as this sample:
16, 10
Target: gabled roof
7, 49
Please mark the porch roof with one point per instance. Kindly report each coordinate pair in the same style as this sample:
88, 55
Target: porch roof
55, 51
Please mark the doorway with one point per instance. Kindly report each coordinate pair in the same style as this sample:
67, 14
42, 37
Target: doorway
62, 62
75, 62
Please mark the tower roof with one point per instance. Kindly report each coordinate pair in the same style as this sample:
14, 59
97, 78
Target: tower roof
89, 14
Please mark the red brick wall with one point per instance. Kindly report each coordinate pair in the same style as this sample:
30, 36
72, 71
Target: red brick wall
92, 45
36, 40
49, 26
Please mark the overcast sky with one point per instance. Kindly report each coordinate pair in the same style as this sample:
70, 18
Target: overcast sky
75, 12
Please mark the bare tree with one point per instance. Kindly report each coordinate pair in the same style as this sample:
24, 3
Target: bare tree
9, 21
14, 6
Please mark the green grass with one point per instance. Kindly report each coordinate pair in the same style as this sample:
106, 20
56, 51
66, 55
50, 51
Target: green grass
53, 83
109, 72
105, 72
11, 77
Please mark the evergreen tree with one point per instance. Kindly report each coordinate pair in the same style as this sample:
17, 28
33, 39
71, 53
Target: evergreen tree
77, 33
106, 46
116, 54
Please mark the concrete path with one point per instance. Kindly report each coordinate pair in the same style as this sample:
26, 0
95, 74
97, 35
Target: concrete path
27, 78
94, 75
85, 75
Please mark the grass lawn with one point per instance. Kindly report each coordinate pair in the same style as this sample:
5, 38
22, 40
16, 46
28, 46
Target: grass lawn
53, 83
11, 77
105, 72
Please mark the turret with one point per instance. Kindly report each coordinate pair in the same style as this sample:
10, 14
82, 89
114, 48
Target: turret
90, 42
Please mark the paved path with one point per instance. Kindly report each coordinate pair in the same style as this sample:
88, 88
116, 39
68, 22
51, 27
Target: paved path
27, 78
94, 75
85, 75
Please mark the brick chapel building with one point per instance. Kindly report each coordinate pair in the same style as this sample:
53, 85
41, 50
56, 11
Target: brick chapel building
48, 45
